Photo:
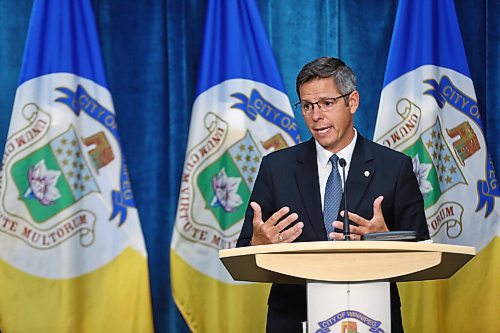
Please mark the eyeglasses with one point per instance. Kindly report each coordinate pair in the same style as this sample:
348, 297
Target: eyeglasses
325, 104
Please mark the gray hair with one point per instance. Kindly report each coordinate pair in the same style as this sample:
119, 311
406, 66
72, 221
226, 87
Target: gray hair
325, 67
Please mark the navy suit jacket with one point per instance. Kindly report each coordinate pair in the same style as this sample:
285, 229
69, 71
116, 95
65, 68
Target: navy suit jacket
289, 177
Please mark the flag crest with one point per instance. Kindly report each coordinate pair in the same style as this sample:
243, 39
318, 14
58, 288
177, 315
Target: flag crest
431, 114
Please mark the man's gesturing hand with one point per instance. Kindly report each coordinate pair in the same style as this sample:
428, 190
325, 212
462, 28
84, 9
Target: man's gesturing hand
376, 224
273, 230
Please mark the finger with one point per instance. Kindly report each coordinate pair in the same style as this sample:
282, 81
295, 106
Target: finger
377, 208
294, 235
356, 218
358, 230
286, 222
338, 225
276, 217
257, 213
362, 228
288, 234
352, 228
336, 236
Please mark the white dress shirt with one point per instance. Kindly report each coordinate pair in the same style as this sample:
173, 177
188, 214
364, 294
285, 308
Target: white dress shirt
325, 167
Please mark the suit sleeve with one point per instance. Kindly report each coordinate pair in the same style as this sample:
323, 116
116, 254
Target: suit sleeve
262, 193
409, 211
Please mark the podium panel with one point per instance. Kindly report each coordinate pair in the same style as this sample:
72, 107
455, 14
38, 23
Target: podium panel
348, 307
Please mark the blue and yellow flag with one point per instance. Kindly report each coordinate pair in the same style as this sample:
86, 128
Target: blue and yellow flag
240, 113
73, 257
429, 111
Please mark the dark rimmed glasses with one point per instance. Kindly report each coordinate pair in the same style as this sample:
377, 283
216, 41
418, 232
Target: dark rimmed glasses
324, 104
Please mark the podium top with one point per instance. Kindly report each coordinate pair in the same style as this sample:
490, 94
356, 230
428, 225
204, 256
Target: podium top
296, 263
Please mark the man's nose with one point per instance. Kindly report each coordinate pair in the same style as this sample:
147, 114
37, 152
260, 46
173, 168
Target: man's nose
316, 111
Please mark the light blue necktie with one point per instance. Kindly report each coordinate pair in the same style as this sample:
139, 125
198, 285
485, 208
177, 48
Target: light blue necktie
333, 196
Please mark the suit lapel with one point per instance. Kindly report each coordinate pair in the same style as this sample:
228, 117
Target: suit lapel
361, 172
306, 176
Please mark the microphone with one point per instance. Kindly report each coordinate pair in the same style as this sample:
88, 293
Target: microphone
347, 233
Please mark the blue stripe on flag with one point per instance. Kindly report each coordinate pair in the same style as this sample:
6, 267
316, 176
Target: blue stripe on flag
227, 25
416, 35
62, 38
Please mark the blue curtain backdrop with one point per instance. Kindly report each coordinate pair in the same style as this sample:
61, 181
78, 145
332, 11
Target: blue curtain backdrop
151, 54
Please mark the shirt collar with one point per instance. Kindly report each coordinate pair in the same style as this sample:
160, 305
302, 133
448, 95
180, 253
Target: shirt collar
346, 153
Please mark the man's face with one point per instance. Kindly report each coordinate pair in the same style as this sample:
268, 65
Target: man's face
332, 129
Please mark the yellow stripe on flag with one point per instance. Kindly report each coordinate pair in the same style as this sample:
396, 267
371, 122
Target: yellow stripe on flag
101, 301
215, 306
467, 302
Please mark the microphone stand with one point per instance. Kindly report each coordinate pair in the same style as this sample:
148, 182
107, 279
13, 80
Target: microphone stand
347, 233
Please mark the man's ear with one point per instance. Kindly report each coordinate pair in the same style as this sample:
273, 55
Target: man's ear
354, 101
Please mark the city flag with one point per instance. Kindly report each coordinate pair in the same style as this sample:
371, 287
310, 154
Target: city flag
428, 110
240, 114
73, 257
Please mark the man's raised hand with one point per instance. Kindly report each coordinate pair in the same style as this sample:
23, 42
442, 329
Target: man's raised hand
273, 230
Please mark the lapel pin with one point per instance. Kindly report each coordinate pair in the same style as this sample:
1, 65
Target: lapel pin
367, 173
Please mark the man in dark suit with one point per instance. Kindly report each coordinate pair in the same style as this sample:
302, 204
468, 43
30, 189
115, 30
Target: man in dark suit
288, 197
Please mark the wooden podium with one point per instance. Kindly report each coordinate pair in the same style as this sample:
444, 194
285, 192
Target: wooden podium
347, 281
